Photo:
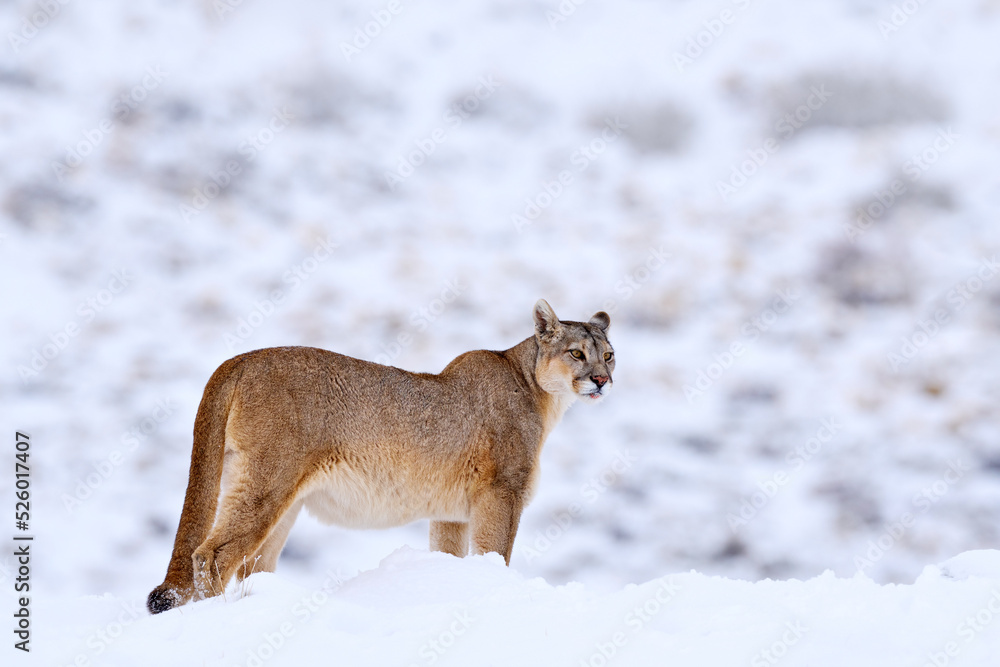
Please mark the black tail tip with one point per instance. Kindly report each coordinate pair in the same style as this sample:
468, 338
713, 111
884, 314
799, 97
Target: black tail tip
162, 599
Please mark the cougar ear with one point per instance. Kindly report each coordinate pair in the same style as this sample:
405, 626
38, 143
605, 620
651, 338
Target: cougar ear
546, 321
601, 320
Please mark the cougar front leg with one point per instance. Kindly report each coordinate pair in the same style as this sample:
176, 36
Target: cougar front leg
451, 537
495, 515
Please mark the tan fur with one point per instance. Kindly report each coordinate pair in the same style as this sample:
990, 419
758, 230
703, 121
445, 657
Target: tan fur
363, 445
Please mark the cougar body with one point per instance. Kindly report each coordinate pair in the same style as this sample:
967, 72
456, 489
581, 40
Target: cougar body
363, 445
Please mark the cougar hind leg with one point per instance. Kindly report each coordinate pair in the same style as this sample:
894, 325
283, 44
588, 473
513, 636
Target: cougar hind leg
254, 520
266, 558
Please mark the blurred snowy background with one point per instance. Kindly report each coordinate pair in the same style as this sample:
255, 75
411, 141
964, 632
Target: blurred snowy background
788, 208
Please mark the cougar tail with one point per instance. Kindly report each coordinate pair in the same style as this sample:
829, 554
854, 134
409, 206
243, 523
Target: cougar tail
202, 495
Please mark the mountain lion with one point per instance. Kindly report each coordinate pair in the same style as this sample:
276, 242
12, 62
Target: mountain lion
369, 446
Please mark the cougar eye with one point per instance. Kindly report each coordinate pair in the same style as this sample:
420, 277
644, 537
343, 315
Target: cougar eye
577, 354
608, 355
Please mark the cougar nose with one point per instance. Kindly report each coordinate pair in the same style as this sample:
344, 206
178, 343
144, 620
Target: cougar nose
599, 380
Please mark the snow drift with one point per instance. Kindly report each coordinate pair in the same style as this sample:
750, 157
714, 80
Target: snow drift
420, 608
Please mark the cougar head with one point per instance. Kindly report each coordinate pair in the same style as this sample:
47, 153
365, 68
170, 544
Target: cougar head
574, 358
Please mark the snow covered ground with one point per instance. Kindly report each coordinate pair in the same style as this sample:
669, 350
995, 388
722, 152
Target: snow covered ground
790, 210
420, 608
